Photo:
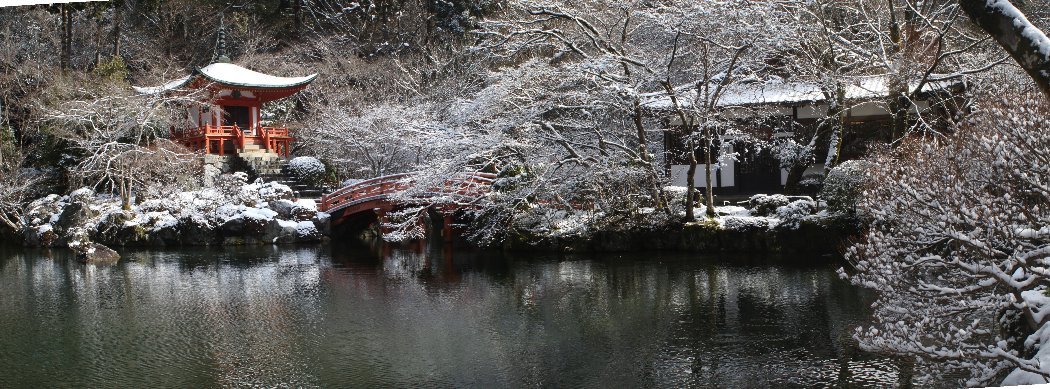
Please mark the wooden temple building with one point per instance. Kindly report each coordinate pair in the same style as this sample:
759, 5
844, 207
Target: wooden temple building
768, 111
226, 118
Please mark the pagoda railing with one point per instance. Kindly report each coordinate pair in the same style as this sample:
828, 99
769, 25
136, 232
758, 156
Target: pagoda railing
272, 138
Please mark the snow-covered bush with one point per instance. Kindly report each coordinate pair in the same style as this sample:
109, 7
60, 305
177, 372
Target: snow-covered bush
791, 153
791, 215
259, 194
765, 205
959, 248
811, 183
744, 223
842, 188
230, 184
307, 169
676, 198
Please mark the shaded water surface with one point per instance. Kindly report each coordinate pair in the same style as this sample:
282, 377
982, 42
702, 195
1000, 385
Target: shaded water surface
362, 317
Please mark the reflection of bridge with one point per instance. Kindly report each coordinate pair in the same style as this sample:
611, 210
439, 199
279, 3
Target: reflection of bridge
357, 206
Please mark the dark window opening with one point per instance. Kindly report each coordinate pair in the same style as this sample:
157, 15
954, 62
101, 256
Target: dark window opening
239, 116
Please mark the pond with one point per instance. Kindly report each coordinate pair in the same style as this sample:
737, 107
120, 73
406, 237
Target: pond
334, 315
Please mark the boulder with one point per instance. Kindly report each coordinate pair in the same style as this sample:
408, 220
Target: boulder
306, 231
322, 221
40, 236
110, 227
195, 230
280, 231
165, 235
77, 213
97, 254
303, 210
249, 222
283, 208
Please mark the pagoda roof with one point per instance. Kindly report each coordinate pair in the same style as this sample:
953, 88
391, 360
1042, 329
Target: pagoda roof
234, 76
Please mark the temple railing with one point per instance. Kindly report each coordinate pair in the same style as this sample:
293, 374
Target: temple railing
277, 139
218, 131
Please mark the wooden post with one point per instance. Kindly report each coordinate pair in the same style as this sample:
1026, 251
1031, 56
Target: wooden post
446, 228
381, 219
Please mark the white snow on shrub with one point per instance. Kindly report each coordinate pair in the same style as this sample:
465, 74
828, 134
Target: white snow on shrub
306, 228
792, 214
257, 213
737, 223
308, 168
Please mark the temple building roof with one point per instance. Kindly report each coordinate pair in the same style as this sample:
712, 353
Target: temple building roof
780, 92
233, 77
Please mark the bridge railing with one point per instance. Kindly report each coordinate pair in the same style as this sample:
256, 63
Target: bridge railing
466, 185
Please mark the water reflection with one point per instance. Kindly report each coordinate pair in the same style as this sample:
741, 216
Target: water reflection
369, 316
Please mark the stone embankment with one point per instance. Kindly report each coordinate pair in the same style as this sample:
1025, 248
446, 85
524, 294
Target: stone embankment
232, 213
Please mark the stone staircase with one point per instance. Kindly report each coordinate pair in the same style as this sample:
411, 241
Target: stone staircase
262, 161
271, 167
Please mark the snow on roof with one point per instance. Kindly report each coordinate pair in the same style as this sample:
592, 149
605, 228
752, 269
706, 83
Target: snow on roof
779, 92
233, 75
150, 90
230, 74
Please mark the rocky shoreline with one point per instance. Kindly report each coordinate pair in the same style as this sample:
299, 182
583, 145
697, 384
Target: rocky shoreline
242, 214
820, 236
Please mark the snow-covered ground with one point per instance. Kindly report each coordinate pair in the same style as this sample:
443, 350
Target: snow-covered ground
761, 211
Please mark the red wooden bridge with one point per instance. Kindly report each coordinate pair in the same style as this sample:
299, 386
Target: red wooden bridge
359, 205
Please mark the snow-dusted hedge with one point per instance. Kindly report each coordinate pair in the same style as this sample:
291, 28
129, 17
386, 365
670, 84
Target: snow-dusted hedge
793, 213
307, 169
843, 186
765, 205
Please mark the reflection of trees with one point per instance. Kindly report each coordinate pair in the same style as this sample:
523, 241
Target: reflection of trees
367, 317
220, 322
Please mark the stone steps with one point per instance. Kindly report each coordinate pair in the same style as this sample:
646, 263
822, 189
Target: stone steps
277, 173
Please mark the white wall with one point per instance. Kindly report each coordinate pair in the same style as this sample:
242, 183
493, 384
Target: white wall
679, 173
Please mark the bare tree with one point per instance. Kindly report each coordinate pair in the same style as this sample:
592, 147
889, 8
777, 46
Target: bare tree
122, 138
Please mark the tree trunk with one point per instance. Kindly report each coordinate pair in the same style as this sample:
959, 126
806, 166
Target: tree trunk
67, 37
710, 189
899, 108
1029, 46
125, 196
794, 177
298, 11
643, 153
690, 183
839, 130
99, 38
116, 30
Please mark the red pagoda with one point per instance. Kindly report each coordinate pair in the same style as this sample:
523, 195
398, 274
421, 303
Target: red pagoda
228, 121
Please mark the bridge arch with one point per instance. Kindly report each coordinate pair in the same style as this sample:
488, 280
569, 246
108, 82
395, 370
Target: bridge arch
356, 207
